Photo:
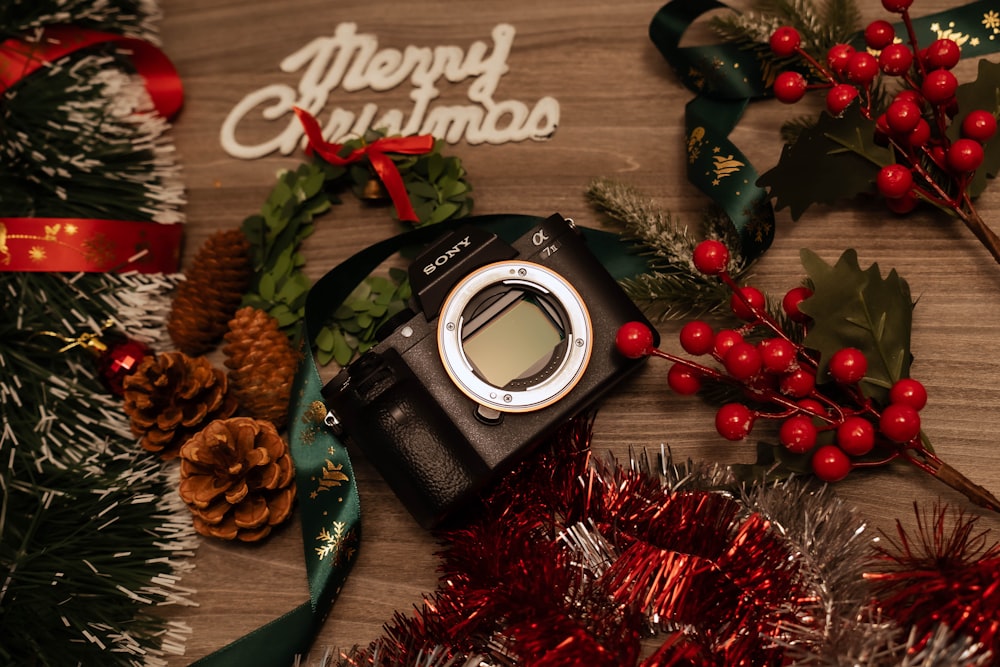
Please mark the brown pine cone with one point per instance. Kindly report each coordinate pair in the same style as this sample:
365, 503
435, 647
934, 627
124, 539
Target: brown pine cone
215, 283
237, 478
170, 396
262, 365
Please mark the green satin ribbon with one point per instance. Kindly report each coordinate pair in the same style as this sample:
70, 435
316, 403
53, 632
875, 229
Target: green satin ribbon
726, 78
326, 490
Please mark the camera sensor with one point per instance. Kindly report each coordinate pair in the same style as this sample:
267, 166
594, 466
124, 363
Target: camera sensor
514, 336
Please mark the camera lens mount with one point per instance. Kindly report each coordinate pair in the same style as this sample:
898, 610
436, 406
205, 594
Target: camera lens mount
514, 336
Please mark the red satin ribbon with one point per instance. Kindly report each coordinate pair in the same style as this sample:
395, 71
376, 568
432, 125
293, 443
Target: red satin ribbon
78, 244
376, 154
21, 57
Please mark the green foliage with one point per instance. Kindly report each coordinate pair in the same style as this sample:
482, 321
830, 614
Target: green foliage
672, 287
836, 159
275, 234
353, 325
851, 307
436, 184
983, 93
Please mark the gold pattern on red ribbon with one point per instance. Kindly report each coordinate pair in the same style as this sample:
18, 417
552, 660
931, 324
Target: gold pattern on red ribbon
376, 153
78, 244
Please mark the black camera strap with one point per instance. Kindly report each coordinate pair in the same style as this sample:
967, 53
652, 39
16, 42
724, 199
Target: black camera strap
326, 490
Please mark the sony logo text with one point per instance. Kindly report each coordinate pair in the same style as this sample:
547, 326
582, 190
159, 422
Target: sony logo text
444, 257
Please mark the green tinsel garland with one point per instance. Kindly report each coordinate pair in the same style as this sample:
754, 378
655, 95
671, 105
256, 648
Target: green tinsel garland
91, 533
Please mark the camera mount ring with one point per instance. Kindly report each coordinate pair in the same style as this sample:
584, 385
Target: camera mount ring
577, 331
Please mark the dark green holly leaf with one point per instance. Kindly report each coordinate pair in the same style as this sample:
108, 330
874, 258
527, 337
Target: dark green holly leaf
851, 307
983, 93
835, 159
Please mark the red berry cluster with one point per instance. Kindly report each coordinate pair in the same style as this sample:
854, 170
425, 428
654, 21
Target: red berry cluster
915, 121
779, 377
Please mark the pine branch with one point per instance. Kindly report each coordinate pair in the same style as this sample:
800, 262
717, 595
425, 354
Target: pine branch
673, 287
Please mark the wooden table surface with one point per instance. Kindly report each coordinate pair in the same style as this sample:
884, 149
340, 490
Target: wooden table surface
621, 116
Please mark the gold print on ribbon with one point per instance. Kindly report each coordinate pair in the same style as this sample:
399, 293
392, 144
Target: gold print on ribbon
949, 33
313, 419
725, 165
694, 144
338, 544
332, 476
991, 20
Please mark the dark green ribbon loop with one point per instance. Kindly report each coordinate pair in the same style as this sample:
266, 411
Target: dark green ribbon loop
326, 491
725, 79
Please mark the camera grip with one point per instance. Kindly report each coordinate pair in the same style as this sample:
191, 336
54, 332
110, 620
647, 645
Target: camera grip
414, 445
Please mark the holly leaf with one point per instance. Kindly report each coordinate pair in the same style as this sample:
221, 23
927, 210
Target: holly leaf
835, 159
983, 93
851, 307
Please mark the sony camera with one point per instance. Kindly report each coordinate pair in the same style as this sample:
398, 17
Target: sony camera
502, 344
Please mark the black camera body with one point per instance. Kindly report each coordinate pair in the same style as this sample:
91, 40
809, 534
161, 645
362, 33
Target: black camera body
503, 343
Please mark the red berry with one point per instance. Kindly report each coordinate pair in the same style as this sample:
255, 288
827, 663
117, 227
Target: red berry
811, 407
839, 98
942, 53
797, 434
894, 181
920, 135
862, 67
753, 299
724, 341
879, 34
742, 361
830, 463
899, 422
789, 87
979, 125
683, 380
856, 436
848, 365
965, 155
908, 391
895, 59
734, 421
896, 6
697, 337
939, 86
791, 301
784, 41
777, 355
904, 204
711, 257
798, 384
838, 56
902, 116
634, 340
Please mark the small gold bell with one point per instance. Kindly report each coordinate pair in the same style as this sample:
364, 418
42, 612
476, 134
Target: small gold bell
374, 190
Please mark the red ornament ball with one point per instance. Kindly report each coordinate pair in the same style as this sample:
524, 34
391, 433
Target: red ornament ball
895, 59
791, 301
939, 86
965, 155
789, 87
798, 434
856, 436
879, 34
784, 41
752, 299
840, 97
120, 360
942, 53
979, 125
894, 181
742, 361
634, 340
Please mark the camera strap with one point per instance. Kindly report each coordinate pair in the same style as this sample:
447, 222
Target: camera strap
327, 494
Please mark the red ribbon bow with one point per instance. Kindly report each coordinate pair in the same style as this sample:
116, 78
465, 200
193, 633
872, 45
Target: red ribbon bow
376, 154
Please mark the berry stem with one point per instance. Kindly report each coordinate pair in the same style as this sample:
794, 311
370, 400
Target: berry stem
970, 216
913, 42
933, 465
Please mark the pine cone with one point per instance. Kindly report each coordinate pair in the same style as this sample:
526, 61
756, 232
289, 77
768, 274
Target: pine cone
237, 478
219, 276
170, 396
262, 365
